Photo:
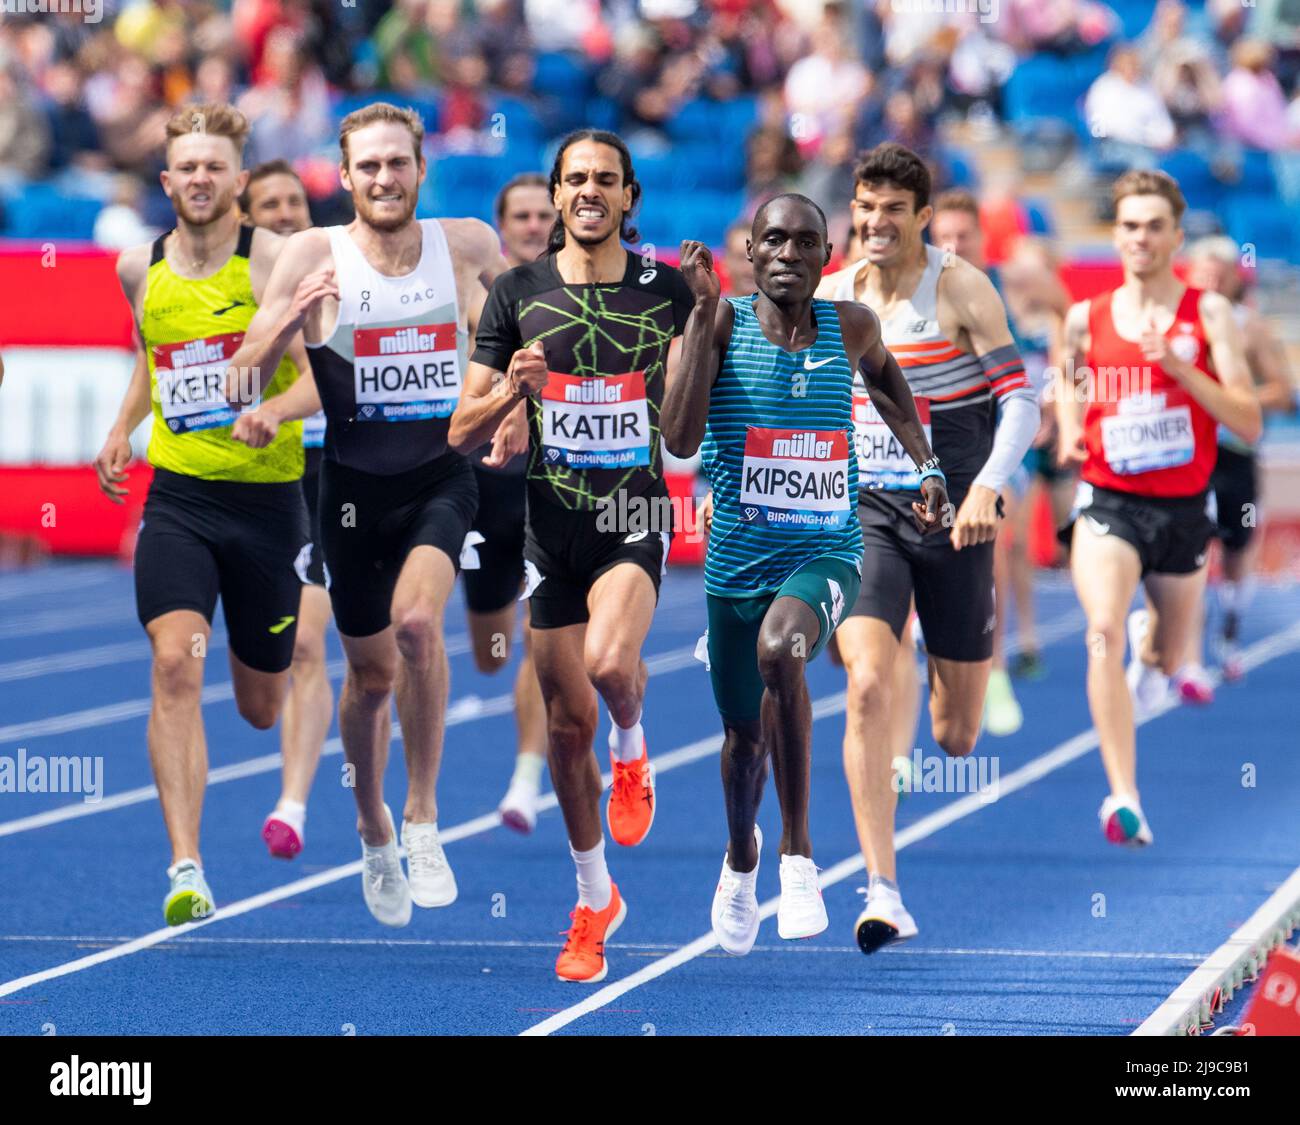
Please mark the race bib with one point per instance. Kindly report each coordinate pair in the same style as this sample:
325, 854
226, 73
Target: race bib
795, 479
881, 455
1146, 434
313, 430
189, 377
595, 423
407, 374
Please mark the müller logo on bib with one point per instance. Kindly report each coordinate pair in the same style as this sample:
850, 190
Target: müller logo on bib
601, 422
406, 374
191, 377
796, 479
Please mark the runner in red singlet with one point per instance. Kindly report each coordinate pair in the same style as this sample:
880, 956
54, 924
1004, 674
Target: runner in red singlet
1158, 365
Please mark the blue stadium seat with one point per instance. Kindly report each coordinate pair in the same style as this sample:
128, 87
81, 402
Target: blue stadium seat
1192, 171
562, 76
39, 210
1134, 16
1265, 223
1257, 174
702, 117
1041, 86
960, 174
1037, 213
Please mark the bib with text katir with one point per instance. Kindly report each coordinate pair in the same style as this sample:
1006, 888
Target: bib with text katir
595, 423
881, 456
191, 376
796, 479
406, 374
1148, 432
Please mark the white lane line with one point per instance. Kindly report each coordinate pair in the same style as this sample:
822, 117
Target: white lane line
674, 759
467, 709
1190, 1006
790, 948
1276, 645
63, 620
56, 583
78, 660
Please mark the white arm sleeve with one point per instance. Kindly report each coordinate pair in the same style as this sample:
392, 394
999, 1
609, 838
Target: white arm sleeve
1018, 420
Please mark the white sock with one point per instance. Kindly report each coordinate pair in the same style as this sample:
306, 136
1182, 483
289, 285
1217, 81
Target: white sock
528, 771
626, 745
1228, 596
293, 811
593, 876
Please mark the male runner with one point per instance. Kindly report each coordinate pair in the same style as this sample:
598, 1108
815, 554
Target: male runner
524, 215
955, 226
1157, 363
1215, 266
220, 519
583, 335
275, 200
379, 305
767, 382
945, 323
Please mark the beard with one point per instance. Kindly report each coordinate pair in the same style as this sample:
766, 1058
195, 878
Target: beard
615, 231
222, 203
366, 212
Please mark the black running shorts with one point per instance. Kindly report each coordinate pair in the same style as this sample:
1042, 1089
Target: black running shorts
502, 509
370, 523
565, 552
204, 539
1235, 486
953, 589
1170, 534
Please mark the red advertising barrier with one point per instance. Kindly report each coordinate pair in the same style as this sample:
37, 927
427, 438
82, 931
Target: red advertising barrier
1275, 1009
61, 297
65, 510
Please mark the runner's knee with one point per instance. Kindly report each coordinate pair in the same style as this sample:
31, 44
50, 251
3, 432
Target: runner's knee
870, 688
371, 682
779, 659
177, 672
259, 709
955, 736
611, 674
418, 631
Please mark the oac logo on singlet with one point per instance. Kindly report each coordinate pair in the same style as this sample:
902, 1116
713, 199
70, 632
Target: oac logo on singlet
1148, 432
190, 376
881, 455
795, 479
595, 423
406, 374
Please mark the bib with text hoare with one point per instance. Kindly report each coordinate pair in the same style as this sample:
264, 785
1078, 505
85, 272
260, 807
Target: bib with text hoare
796, 479
601, 422
405, 373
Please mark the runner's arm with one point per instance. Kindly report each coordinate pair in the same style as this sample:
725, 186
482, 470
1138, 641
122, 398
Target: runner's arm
1268, 362
886, 384
1231, 399
110, 464
293, 293
695, 360
1070, 443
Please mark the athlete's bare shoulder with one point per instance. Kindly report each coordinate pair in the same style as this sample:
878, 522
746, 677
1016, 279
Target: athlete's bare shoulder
473, 238
1075, 326
132, 268
1214, 307
859, 325
831, 282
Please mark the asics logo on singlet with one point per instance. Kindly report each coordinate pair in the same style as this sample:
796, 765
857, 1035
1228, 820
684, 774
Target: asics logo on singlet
808, 364
222, 312
648, 276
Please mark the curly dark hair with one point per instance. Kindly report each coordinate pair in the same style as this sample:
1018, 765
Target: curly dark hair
892, 163
627, 232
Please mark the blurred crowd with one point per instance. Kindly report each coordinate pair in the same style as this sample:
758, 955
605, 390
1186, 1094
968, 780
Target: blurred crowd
84, 102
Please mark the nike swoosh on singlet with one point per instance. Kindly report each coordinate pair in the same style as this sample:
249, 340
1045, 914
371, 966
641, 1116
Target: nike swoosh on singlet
285, 622
222, 312
808, 366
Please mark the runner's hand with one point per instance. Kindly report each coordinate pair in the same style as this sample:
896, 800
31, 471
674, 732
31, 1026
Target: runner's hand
255, 429
977, 518
704, 514
1071, 446
696, 264
510, 440
527, 371
929, 516
312, 289
110, 467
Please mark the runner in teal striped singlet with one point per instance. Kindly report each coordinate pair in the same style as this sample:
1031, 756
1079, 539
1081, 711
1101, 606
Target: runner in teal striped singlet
767, 383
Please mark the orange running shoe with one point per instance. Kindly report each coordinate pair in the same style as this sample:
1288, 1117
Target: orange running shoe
631, 808
583, 956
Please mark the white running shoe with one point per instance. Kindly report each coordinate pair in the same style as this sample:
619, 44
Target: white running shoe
801, 913
1193, 685
518, 807
387, 894
735, 906
1146, 683
432, 883
1123, 821
884, 920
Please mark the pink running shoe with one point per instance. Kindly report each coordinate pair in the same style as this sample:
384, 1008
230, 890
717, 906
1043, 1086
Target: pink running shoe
283, 837
1194, 685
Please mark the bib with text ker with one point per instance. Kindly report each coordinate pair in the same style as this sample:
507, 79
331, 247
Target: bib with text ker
595, 423
795, 479
881, 456
1148, 432
406, 374
190, 377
